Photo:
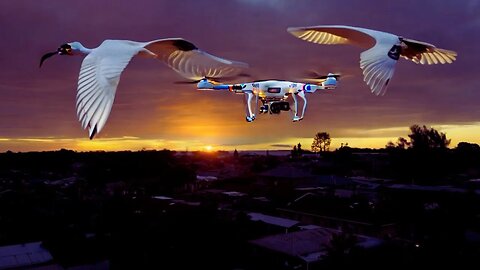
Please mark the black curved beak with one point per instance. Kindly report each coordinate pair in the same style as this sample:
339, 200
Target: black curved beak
46, 56
62, 50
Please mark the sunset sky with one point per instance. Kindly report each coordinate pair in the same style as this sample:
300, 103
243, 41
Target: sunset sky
37, 106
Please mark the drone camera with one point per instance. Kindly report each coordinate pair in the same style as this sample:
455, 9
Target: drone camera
276, 107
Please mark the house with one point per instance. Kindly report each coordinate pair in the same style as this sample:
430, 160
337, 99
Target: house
26, 256
338, 212
300, 249
275, 223
286, 172
282, 180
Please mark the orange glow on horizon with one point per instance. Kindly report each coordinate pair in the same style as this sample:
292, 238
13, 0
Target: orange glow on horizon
203, 142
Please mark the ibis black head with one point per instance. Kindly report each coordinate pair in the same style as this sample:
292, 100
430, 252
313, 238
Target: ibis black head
65, 49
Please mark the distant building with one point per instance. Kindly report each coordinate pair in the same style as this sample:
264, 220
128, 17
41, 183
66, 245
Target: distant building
285, 176
207, 178
429, 196
202, 181
274, 222
63, 183
422, 194
324, 181
426, 189
26, 256
287, 171
101, 265
301, 249
334, 212
234, 194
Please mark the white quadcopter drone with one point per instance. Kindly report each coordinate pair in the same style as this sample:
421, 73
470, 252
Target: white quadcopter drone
273, 94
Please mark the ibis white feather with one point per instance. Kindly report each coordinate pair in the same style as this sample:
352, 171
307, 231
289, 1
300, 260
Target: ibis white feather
101, 69
190, 62
383, 50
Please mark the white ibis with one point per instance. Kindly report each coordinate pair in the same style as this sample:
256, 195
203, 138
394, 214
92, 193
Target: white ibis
383, 50
102, 67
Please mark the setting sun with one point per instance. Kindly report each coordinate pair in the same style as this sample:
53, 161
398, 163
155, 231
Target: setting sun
208, 148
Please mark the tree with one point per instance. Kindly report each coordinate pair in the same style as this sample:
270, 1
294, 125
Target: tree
468, 147
402, 143
424, 138
421, 138
321, 142
297, 150
294, 151
340, 249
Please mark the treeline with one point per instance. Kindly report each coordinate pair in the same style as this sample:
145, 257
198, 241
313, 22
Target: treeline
421, 158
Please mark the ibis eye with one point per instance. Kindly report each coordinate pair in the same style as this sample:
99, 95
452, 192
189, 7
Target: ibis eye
65, 49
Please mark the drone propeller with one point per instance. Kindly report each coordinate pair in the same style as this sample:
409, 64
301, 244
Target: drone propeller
215, 80
315, 77
335, 75
188, 82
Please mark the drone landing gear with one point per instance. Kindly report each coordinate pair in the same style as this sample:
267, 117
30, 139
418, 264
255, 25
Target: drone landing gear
296, 118
248, 100
300, 94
